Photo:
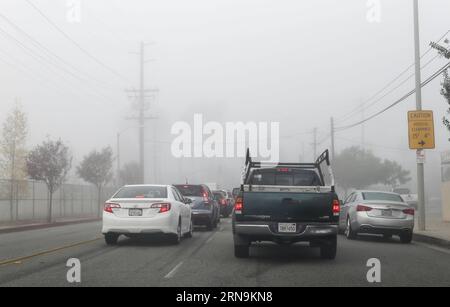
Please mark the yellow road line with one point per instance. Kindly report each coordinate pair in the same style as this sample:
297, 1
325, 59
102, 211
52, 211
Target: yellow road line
43, 253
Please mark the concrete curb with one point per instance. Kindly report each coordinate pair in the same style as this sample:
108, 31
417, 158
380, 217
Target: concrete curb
46, 225
431, 240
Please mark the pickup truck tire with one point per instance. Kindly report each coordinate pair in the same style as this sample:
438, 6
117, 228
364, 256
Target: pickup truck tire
328, 250
241, 247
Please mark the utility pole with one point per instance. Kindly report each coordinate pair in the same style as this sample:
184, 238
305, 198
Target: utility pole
142, 118
420, 164
332, 138
118, 159
363, 128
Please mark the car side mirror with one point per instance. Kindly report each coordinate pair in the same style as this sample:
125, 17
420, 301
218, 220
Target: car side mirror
188, 201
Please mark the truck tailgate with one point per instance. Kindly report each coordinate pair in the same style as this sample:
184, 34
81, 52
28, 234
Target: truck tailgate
289, 206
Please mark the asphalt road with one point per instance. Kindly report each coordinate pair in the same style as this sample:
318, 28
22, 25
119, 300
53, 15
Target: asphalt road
207, 260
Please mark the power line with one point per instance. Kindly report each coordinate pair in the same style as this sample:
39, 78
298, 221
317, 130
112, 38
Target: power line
431, 78
47, 50
362, 106
54, 25
45, 61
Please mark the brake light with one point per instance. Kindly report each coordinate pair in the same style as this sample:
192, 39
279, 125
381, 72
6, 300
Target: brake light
409, 211
109, 207
205, 196
163, 207
223, 202
239, 205
336, 207
284, 170
362, 208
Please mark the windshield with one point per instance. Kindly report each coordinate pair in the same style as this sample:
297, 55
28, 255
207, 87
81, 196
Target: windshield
382, 196
142, 192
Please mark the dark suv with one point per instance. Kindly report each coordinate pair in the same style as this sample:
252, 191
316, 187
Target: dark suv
205, 209
226, 206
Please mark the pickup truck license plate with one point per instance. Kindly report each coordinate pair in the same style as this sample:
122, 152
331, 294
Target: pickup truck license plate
135, 212
287, 227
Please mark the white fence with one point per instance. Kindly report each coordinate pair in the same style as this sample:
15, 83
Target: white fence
29, 200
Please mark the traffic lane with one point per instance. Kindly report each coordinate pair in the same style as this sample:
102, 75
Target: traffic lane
300, 265
24, 243
133, 262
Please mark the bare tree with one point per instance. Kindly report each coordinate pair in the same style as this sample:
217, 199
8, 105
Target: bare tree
49, 162
96, 168
13, 151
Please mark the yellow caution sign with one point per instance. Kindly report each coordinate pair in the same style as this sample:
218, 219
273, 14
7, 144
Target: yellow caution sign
421, 130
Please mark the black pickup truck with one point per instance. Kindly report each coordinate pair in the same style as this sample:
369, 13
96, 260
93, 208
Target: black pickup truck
286, 203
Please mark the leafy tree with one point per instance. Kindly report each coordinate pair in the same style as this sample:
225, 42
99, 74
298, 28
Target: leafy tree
446, 93
13, 151
356, 168
49, 162
130, 173
96, 168
395, 174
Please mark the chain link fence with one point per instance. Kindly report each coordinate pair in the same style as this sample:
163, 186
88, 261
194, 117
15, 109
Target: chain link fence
22, 201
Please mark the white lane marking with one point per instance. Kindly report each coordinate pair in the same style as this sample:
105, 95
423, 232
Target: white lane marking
435, 248
209, 240
174, 270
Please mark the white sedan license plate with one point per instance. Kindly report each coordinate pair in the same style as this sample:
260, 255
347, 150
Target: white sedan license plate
135, 212
287, 227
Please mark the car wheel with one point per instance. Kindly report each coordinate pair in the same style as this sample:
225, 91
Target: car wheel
177, 236
328, 250
406, 238
191, 231
111, 238
349, 233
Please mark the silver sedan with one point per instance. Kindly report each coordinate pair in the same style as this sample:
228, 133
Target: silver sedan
372, 212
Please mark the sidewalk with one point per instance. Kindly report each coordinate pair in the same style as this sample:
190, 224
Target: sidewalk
437, 232
30, 225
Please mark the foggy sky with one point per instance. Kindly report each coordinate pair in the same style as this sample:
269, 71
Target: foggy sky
296, 62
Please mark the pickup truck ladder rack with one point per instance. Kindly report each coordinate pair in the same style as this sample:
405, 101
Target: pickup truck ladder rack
324, 157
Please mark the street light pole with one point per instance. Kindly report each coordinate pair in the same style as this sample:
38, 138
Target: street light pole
420, 164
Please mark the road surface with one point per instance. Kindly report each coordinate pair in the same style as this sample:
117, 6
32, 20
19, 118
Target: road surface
39, 257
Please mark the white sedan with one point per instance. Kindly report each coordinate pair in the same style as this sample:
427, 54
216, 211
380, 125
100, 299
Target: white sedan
146, 210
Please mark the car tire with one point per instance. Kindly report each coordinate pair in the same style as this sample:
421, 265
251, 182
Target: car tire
177, 237
210, 225
406, 238
328, 250
349, 233
111, 238
191, 231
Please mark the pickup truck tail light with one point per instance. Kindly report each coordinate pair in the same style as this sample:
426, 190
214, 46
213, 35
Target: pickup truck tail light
239, 205
163, 207
109, 207
362, 208
336, 207
409, 211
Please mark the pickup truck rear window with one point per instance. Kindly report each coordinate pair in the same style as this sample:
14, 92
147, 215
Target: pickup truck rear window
297, 178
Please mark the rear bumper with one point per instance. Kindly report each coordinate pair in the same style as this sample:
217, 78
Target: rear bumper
163, 224
267, 231
363, 223
201, 217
